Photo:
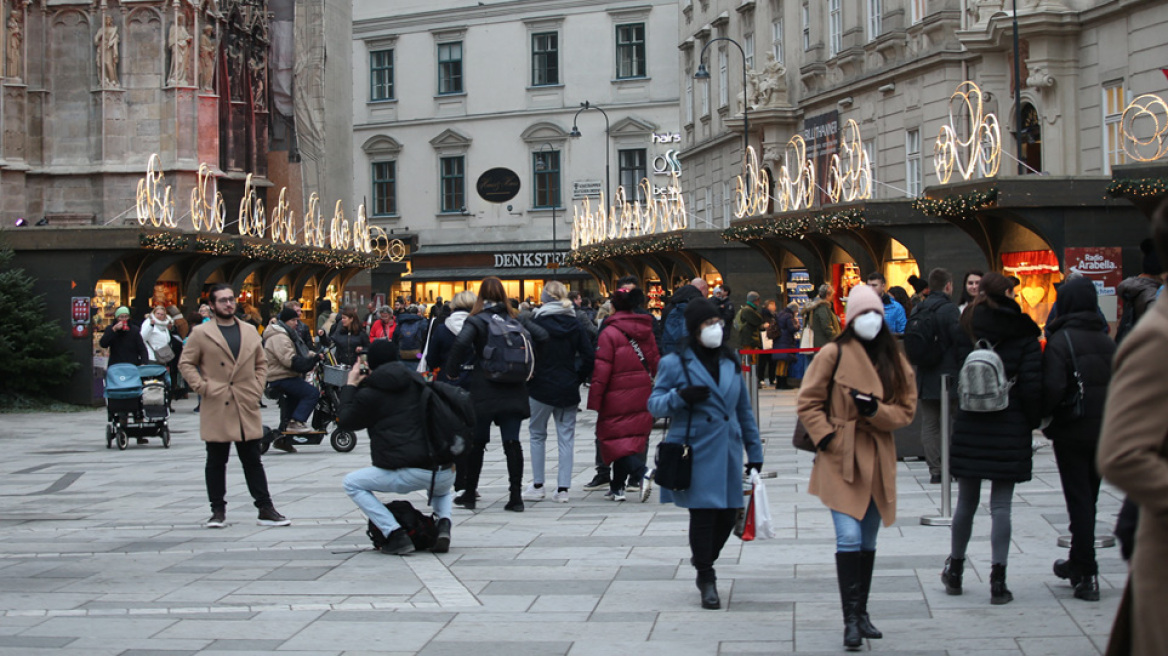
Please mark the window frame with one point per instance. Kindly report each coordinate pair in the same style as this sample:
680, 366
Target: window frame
391, 184
918, 10
835, 27
543, 180
875, 19
777, 39
450, 70
550, 57
638, 170
387, 69
806, 26
748, 50
452, 185
635, 47
913, 175
1111, 143
723, 77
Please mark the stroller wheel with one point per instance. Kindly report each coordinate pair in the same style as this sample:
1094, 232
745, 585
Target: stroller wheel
344, 441
165, 435
123, 440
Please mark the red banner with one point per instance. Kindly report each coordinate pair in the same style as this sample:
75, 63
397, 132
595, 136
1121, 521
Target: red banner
79, 317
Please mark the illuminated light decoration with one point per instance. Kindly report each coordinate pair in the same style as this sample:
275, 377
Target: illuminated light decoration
753, 189
252, 218
1138, 188
1145, 109
961, 206
363, 238
283, 220
604, 251
851, 181
313, 223
339, 236
396, 251
981, 152
657, 213
798, 192
205, 213
153, 205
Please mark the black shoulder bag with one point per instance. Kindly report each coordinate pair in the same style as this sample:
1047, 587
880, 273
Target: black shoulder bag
674, 462
1074, 400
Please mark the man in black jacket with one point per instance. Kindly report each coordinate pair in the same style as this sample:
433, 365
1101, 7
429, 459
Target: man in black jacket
947, 320
384, 398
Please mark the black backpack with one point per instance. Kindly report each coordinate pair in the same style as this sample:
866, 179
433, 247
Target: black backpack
421, 528
409, 335
507, 356
922, 337
450, 420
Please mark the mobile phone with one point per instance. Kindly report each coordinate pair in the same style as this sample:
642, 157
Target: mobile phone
862, 397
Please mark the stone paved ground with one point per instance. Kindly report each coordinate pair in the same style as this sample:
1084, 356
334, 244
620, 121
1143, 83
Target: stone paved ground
102, 553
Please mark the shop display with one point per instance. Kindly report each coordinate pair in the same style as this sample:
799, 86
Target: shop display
655, 297
799, 287
1038, 273
844, 277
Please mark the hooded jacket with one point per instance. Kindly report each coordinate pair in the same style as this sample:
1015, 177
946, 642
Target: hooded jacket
441, 342
674, 335
386, 403
281, 345
997, 445
621, 385
1139, 292
820, 319
406, 325
492, 401
557, 380
948, 319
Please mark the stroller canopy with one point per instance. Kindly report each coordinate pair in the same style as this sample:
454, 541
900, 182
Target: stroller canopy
123, 381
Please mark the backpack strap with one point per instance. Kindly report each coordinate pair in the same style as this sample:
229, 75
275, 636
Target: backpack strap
636, 349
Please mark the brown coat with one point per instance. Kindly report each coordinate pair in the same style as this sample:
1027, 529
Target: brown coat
280, 349
859, 465
230, 388
1133, 455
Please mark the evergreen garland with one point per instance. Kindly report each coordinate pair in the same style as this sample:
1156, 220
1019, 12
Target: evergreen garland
1138, 188
961, 206
605, 250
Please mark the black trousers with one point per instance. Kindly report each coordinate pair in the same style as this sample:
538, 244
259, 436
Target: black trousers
709, 528
630, 468
1080, 479
765, 369
253, 471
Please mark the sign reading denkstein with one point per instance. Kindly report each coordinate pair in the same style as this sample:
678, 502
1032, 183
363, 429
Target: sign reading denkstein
528, 260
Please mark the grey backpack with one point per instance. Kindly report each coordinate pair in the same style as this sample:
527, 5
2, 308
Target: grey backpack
982, 385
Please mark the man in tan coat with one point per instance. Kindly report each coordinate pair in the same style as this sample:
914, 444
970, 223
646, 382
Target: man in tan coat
224, 362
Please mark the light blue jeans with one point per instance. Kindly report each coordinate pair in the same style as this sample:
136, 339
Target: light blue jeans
361, 484
565, 419
853, 535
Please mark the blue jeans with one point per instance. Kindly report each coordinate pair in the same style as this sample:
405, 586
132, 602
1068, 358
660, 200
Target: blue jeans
853, 535
361, 484
299, 391
565, 419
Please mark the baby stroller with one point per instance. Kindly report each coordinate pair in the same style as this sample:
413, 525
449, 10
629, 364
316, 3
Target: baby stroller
137, 401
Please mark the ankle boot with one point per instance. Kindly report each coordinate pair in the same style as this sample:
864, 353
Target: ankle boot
474, 469
999, 593
867, 564
513, 449
707, 585
1087, 588
951, 575
847, 571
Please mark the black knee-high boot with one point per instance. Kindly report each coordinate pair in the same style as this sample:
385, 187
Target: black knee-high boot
513, 449
847, 570
867, 563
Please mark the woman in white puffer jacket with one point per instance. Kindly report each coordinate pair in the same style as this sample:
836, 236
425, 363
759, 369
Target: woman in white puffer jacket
156, 331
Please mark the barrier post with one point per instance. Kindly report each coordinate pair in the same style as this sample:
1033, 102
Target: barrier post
946, 516
751, 383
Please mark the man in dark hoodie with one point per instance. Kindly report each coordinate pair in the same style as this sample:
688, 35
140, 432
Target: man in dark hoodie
1139, 292
410, 334
383, 398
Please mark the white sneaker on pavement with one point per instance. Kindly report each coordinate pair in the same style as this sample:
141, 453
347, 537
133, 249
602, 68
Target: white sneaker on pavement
561, 497
533, 493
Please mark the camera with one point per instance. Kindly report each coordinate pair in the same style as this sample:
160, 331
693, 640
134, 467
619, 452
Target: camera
365, 370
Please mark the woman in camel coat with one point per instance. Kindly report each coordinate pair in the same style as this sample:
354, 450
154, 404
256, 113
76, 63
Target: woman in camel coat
858, 390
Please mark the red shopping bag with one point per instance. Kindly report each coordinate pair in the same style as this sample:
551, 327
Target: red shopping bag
748, 528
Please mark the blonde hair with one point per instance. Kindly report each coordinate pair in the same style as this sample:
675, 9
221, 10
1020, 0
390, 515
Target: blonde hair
604, 312
556, 289
463, 300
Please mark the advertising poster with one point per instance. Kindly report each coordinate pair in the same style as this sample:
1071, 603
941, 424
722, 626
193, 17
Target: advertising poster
1102, 265
79, 317
821, 132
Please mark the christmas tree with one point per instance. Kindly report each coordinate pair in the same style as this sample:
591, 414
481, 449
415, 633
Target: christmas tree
31, 361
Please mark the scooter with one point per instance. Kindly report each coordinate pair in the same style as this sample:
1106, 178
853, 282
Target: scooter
324, 415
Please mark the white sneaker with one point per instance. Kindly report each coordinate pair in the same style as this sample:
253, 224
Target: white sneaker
533, 493
646, 487
560, 497
619, 495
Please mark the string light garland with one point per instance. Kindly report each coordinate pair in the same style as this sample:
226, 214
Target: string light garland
163, 241
790, 227
333, 259
848, 219
961, 206
1138, 188
606, 250
214, 246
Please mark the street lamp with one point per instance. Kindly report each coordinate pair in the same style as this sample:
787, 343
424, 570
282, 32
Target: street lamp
1017, 93
541, 165
703, 74
607, 158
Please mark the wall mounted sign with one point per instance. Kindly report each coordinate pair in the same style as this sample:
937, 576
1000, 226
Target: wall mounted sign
498, 185
667, 164
821, 136
79, 317
978, 152
533, 260
582, 189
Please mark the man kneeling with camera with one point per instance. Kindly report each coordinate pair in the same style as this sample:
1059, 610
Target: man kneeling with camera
383, 396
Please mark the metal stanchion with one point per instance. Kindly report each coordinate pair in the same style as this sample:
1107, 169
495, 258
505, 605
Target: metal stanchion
946, 516
1101, 542
751, 382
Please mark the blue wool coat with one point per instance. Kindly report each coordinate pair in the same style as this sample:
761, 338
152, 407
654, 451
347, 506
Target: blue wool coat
721, 426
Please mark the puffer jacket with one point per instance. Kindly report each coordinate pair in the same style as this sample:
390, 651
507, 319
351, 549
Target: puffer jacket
386, 404
621, 385
997, 445
441, 341
492, 401
125, 346
280, 345
1094, 352
346, 344
948, 319
557, 378
155, 334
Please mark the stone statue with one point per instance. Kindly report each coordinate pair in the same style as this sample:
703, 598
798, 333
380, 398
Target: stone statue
207, 50
107, 42
235, 70
259, 68
771, 84
15, 45
180, 46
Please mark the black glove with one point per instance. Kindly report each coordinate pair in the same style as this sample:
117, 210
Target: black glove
753, 466
823, 444
866, 404
694, 394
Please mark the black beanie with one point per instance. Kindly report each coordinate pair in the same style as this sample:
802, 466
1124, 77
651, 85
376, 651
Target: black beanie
381, 352
697, 312
287, 314
1076, 295
626, 301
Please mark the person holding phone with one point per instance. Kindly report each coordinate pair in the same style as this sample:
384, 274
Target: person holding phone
857, 390
124, 341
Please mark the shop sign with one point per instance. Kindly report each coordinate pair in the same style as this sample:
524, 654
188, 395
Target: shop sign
1101, 265
821, 134
498, 185
532, 260
666, 137
667, 164
582, 189
79, 317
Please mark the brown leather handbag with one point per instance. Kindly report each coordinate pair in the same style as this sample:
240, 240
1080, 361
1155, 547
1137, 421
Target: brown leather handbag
802, 439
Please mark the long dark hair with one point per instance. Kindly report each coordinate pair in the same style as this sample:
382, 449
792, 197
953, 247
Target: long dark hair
885, 356
355, 327
966, 297
991, 292
491, 289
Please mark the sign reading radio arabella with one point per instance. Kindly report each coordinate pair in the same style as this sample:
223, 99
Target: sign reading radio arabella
532, 260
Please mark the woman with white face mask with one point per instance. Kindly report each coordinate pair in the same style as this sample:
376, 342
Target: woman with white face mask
858, 390
701, 390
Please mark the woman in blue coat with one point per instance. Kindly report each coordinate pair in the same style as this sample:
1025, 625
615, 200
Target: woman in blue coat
701, 390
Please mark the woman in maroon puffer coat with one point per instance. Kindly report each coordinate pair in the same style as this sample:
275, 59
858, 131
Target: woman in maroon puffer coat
621, 383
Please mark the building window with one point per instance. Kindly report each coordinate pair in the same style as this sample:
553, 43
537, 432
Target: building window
381, 75
632, 171
450, 67
835, 28
912, 163
706, 97
453, 184
806, 26
689, 98
723, 78
777, 39
726, 210
545, 59
875, 14
748, 50
1114, 102
547, 178
384, 188
630, 50
919, 9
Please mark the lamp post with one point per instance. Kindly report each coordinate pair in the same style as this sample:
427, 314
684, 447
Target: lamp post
1017, 93
542, 164
703, 74
607, 157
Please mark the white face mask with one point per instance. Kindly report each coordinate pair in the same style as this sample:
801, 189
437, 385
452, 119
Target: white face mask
868, 325
711, 336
